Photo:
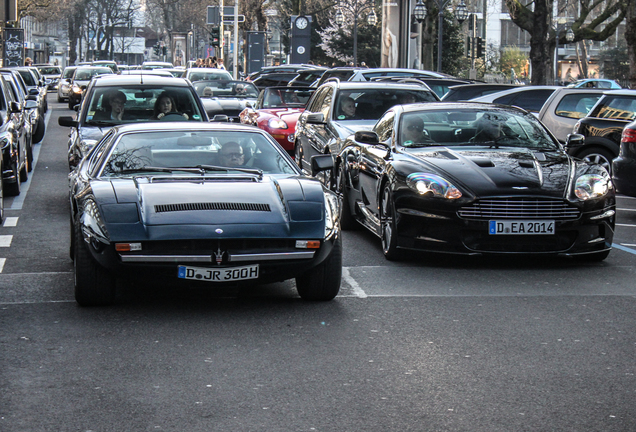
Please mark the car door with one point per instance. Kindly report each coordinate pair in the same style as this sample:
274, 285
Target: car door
314, 136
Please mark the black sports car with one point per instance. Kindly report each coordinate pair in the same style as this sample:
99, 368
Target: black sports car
200, 203
473, 178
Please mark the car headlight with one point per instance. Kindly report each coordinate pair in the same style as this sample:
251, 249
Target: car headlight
86, 145
275, 123
590, 186
332, 210
432, 185
76, 89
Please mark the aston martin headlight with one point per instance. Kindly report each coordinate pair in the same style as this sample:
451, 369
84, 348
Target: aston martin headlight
590, 186
332, 210
275, 123
432, 185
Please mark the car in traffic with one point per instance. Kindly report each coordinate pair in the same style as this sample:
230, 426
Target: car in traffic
64, 86
35, 87
28, 118
284, 68
207, 74
148, 65
13, 142
338, 109
140, 103
106, 63
464, 92
274, 79
226, 98
473, 178
80, 80
200, 204
603, 126
624, 165
530, 98
565, 107
51, 73
368, 74
307, 77
276, 111
597, 83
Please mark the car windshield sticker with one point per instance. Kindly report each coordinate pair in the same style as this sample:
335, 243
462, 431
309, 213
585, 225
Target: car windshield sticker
196, 117
341, 117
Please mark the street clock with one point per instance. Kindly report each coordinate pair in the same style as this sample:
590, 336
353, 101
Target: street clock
301, 22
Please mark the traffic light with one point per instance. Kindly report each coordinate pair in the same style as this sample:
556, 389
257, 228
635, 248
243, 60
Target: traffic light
468, 47
481, 47
215, 36
156, 49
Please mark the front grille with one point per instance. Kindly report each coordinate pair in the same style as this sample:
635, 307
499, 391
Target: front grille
163, 208
519, 208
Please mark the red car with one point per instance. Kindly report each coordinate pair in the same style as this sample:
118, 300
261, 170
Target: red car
276, 111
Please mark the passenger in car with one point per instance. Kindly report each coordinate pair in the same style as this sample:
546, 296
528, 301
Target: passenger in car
164, 105
231, 155
347, 108
113, 107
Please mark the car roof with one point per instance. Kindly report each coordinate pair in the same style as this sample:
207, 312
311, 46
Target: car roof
363, 85
149, 79
186, 126
434, 106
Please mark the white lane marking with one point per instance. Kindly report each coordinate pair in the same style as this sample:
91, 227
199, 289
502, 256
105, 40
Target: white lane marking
623, 248
628, 244
10, 221
5, 240
625, 209
627, 225
2, 261
357, 291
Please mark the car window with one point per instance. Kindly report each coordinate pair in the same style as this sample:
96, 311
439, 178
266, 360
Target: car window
372, 103
140, 103
49, 70
384, 127
27, 77
87, 74
617, 107
182, 149
209, 76
576, 106
316, 101
68, 72
225, 88
530, 100
325, 106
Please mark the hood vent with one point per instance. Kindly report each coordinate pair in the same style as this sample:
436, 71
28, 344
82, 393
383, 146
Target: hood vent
163, 208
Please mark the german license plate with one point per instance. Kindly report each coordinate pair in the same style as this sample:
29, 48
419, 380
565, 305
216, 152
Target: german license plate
521, 227
218, 274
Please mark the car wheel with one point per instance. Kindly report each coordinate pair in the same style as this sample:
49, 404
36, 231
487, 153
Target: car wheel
298, 155
598, 156
30, 157
60, 98
24, 172
94, 285
71, 104
347, 221
593, 257
13, 189
39, 131
322, 283
388, 225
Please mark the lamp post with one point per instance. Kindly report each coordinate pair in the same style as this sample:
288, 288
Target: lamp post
461, 14
356, 7
569, 37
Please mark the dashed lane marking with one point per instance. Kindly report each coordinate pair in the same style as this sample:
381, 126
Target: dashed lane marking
10, 222
357, 291
5, 240
2, 260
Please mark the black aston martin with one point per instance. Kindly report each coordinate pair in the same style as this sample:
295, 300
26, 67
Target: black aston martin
472, 178
200, 203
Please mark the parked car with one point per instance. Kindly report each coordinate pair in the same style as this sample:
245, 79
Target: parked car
64, 86
307, 77
368, 74
207, 74
597, 83
13, 142
200, 204
81, 78
226, 98
52, 74
530, 98
328, 119
624, 165
276, 111
464, 92
565, 107
28, 118
35, 87
473, 178
603, 126
94, 118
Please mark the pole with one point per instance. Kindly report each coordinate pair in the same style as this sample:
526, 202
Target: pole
440, 25
355, 38
235, 65
556, 54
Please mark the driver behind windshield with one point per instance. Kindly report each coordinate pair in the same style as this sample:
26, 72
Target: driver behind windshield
165, 104
231, 155
413, 131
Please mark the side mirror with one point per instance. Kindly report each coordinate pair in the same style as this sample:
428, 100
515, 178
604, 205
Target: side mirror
574, 141
367, 137
14, 107
321, 163
316, 118
67, 121
30, 104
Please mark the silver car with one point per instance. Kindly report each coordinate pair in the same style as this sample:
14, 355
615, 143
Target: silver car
64, 85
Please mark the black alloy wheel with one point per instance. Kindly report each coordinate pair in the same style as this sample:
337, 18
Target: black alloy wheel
597, 155
388, 225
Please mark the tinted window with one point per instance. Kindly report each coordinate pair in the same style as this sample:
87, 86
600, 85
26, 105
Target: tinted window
616, 107
576, 106
372, 103
27, 77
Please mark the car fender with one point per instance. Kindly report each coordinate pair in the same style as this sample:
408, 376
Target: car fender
602, 142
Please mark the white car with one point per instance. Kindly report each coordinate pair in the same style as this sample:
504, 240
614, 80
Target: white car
64, 85
530, 98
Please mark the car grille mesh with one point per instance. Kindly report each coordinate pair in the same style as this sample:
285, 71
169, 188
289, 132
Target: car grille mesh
519, 208
163, 208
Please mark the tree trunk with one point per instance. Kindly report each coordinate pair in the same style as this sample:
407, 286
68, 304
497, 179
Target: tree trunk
630, 38
542, 47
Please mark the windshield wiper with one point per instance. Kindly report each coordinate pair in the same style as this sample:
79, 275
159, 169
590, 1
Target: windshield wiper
253, 171
158, 169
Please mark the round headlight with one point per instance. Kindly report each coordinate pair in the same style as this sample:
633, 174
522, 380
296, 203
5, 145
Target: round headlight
432, 185
592, 186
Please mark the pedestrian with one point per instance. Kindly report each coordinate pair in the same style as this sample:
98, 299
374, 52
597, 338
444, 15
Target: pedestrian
28, 61
219, 64
513, 76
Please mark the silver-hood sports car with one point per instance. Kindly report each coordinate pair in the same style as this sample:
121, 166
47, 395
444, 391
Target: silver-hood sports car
472, 178
200, 203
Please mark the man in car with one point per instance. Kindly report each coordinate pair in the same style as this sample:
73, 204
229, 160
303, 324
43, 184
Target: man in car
231, 155
113, 104
413, 131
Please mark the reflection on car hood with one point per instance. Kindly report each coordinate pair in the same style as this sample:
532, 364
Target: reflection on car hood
499, 171
271, 208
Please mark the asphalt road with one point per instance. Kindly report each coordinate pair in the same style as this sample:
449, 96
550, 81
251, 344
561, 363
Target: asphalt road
428, 344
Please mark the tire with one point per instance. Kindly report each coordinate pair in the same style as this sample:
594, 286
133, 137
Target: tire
593, 257
599, 156
388, 225
298, 155
24, 172
94, 285
322, 283
30, 157
39, 131
13, 189
71, 248
347, 221
71, 104
60, 99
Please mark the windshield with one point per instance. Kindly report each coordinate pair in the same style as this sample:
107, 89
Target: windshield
226, 88
49, 70
209, 151
208, 76
372, 103
288, 97
139, 103
493, 128
88, 73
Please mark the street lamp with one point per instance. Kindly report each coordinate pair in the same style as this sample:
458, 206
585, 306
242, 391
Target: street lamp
569, 37
356, 7
461, 14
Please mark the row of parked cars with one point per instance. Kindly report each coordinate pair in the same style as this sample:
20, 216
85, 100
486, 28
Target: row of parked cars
167, 193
